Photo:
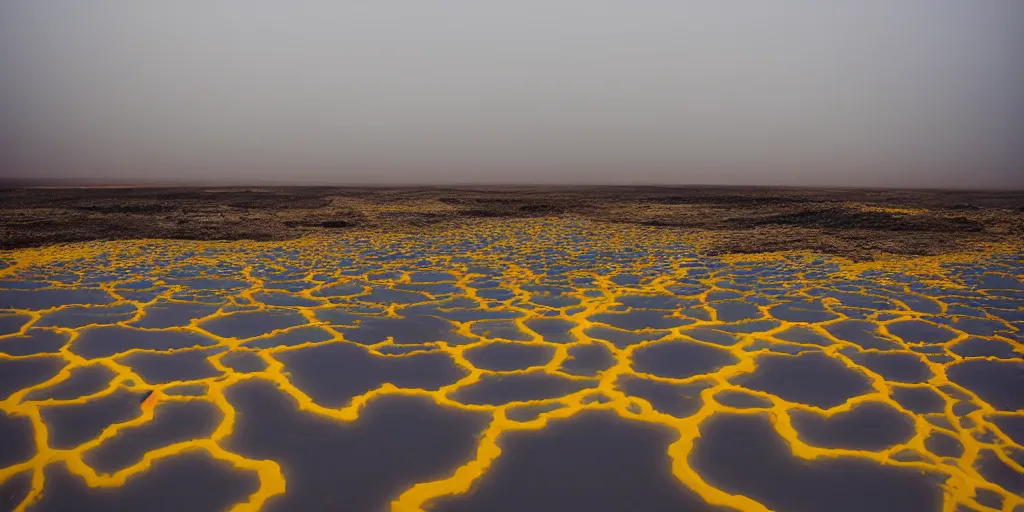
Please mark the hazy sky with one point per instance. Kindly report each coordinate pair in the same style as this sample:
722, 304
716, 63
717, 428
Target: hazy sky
926, 93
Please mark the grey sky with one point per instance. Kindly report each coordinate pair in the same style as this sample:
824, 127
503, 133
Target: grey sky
926, 93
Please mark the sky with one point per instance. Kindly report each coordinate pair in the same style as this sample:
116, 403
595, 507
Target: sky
872, 93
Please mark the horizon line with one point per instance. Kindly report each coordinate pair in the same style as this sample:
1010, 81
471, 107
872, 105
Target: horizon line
15, 183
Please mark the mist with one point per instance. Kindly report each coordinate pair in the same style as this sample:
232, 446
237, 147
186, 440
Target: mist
871, 93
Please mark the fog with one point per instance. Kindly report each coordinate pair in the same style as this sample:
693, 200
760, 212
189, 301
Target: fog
911, 93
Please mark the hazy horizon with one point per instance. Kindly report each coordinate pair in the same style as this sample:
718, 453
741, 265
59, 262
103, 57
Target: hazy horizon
915, 94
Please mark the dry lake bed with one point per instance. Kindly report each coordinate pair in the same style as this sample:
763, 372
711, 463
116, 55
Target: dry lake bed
486, 351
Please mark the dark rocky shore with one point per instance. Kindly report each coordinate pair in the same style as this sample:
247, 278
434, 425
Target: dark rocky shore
849, 222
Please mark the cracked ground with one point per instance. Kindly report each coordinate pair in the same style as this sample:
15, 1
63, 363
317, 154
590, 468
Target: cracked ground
527, 364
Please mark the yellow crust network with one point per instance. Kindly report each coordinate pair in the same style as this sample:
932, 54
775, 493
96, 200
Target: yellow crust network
516, 239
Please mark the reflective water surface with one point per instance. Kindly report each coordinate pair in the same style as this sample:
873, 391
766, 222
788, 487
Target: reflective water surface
526, 365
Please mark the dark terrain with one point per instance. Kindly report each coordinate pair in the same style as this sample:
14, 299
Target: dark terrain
860, 224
